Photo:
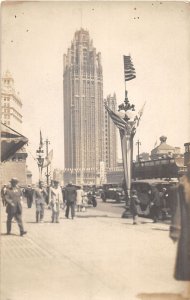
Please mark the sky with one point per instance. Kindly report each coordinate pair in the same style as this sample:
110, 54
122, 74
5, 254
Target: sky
36, 35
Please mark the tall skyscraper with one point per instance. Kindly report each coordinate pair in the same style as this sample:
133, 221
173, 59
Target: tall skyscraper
110, 135
83, 107
11, 105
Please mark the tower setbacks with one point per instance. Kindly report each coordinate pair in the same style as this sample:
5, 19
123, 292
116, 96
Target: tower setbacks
83, 108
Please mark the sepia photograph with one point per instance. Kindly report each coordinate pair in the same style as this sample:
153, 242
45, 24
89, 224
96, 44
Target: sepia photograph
95, 150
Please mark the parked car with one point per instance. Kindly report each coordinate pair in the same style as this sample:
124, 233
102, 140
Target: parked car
144, 190
112, 191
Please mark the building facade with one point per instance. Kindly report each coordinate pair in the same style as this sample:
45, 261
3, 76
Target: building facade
110, 135
11, 105
83, 109
11, 108
164, 150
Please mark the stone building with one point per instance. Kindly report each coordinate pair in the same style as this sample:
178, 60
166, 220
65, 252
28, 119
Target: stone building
11, 105
11, 108
83, 110
164, 150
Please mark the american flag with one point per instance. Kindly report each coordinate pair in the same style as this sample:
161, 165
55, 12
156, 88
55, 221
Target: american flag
41, 140
129, 70
118, 121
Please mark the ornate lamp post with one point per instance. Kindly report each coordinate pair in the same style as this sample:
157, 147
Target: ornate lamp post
126, 120
40, 157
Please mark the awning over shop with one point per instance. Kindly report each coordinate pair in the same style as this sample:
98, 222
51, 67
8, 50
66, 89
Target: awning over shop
11, 142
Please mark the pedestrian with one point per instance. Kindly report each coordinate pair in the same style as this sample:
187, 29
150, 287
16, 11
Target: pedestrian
133, 206
164, 199
70, 198
55, 200
63, 196
29, 195
180, 229
13, 197
40, 195
3, 191
84, 201
79, 198
155, 204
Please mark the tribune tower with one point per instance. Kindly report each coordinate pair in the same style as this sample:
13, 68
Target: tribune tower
83, 108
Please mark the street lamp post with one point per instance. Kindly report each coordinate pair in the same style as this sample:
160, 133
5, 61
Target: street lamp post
126, 120
138, 143
47, 142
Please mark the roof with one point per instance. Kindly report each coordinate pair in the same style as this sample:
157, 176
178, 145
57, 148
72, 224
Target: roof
11, 142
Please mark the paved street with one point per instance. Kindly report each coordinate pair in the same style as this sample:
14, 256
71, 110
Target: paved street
96, 256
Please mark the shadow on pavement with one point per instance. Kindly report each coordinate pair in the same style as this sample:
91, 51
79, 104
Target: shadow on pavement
161, 229
97, 216
34, 222
160, 296
11, 234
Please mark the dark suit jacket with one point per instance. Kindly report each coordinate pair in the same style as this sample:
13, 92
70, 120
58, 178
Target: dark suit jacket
70, 194
13, 199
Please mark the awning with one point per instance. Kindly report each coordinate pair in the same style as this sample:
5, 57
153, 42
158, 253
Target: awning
11, 142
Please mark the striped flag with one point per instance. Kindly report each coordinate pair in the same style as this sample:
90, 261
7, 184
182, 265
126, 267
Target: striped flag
139, 115
41, 140
118, 121
48, 159
129, 70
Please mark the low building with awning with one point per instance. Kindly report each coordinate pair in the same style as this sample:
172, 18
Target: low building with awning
13, 155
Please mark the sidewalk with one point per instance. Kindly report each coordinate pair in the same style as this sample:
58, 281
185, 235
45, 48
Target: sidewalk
96, 256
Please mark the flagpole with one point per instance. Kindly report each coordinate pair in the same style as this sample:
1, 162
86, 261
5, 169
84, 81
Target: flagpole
47, 168
127, 123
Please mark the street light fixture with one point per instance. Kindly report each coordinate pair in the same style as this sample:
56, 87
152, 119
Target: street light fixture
126, 120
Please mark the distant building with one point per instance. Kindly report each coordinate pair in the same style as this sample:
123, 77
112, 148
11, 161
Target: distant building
110, 134
83, 110
11, 107
164, 150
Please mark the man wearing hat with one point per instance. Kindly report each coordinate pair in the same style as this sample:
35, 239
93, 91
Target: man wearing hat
70, 197
55, 199
40, 195
13, 198
29, 195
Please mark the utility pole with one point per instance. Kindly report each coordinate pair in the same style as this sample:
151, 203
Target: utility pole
47, 142
138, 143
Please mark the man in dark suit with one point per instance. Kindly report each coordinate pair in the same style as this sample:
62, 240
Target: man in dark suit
13, 198
29, 195
70, 197
156, 204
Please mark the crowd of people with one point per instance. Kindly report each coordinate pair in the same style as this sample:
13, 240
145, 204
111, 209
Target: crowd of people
55, 197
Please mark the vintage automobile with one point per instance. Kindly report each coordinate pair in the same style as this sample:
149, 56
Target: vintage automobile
144, 190
112, 191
